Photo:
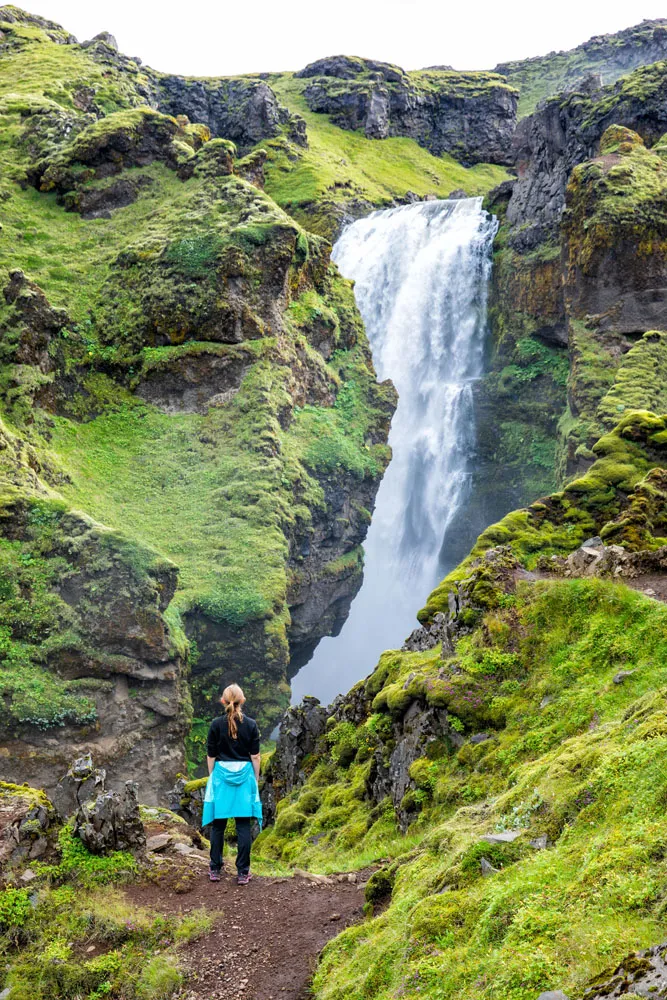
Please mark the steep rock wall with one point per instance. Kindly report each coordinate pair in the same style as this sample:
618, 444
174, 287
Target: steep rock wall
471, 116
89, 662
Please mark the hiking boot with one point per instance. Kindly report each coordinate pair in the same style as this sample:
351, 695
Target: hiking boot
214, 876
243, 879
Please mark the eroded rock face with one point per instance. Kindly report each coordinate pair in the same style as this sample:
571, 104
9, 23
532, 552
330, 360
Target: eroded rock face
243, 110
193, 383
114, 677
566, 130
27, 336
471, 116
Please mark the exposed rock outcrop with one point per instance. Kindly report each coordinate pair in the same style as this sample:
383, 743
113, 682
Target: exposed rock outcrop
566, 130
642, 973
469, 115
606, 56
27, 334
99, 668
244, 110
104, 820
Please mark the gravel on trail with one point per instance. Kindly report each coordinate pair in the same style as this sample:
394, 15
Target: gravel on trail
266, 936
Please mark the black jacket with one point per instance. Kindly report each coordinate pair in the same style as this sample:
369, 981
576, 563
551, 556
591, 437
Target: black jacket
221, 746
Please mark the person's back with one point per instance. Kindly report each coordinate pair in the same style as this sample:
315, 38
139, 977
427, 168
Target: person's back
223, 746
233, 760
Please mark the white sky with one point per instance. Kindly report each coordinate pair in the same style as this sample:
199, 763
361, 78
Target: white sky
207, 38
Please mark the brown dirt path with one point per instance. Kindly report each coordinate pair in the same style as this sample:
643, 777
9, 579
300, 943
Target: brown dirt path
266, 937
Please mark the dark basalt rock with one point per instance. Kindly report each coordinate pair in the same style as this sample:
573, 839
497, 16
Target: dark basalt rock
471, 116
565, 131
300, 729
28, 334
642, 973
105, 821
27, 824
82, 783
193, 383
244, 110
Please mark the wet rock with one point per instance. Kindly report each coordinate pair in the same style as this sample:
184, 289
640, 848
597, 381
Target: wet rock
479, 738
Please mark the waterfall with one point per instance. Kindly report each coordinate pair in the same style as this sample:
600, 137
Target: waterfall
421, 275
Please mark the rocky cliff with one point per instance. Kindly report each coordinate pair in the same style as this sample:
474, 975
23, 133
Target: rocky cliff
468, 115
607, 56
187, 364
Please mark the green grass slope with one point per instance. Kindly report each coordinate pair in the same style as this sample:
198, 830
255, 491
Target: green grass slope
611, 56
341, 167
571, 756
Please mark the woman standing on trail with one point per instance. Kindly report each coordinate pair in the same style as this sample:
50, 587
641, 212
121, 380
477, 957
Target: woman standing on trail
231, 791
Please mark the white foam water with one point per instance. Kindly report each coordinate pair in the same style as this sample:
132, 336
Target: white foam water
421, 275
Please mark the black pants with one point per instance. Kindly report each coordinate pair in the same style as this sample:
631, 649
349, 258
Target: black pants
218, 827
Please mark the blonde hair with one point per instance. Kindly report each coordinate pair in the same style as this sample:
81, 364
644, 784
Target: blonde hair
233, 699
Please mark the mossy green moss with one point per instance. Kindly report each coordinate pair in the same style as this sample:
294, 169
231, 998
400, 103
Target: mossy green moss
571, 756
559, 523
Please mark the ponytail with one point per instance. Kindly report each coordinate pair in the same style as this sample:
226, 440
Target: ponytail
233, 700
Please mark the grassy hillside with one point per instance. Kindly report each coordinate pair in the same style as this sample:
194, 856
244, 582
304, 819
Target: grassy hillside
340, 167
610, 56
569, 755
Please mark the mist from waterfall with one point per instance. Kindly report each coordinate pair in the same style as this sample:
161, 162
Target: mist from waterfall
421, 275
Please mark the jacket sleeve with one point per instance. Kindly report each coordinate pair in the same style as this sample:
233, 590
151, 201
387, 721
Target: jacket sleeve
212, 741
254, 741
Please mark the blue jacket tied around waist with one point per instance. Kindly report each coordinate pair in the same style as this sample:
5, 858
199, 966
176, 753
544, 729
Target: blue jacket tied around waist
231, 791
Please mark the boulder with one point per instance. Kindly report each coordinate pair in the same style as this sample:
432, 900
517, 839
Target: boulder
642, 973
111, 822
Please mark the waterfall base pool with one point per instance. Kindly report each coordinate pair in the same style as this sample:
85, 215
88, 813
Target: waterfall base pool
421, 274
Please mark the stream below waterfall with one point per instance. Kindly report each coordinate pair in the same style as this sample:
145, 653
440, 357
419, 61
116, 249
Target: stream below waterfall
421, 274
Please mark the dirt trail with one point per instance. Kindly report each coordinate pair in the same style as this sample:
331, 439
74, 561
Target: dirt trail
267, 935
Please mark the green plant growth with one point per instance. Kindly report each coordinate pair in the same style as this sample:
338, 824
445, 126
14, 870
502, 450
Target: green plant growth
340, 166
571, 756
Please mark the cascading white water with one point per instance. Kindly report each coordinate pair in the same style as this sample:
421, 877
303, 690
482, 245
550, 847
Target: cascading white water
421, 275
